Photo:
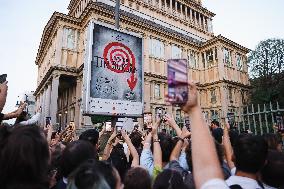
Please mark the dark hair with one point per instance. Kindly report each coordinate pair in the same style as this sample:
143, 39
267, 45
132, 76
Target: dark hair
215, 123
273, 171
169, 179
118, 159
74, 154
136, 139
22, 117
88, 175
108, 171
137, 178
167, 145
250, 153
91, 135
24, 159
272, 141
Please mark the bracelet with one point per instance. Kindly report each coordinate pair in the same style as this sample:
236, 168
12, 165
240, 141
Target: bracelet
180, 139
156, 140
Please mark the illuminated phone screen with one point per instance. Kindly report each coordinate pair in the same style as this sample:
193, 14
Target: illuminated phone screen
177, 81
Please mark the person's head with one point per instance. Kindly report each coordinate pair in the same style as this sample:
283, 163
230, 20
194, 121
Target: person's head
109, 172
24, 158
136, 139
169, 179
87, 176
274, 143
22, 117
167, 145
119, 160
273, 172
214, 124
137, 178
250, 153
91, 135
74, 154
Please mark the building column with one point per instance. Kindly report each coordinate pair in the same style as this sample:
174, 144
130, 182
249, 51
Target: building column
214, 56
224, 100
190, 14
48, 99
166, 8
171, 5
204, 24
160, 4
209, 25
54, 94
176, 6
195, 19
77, 102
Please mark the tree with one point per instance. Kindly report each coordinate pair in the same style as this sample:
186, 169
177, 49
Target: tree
266, 64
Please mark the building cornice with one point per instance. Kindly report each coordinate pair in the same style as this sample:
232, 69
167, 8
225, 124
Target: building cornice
226, 41
50, 27
199, 7
225, 81
108, 11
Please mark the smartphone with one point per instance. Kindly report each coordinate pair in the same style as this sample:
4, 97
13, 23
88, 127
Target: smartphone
187, 123
47, 120
177, 81
3, 78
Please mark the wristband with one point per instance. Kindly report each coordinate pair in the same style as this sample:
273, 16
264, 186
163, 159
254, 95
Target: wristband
180, 139
156, 140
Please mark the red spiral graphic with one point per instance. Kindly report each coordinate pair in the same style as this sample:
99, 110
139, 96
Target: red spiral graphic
117, 55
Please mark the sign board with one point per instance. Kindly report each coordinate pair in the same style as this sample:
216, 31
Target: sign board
113, 72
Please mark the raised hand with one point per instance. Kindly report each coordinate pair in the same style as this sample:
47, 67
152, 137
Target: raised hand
192, 97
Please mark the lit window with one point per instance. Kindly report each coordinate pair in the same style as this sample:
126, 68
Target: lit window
69, 40
176, 52
157, 48
157, 91
239, 62
227, 57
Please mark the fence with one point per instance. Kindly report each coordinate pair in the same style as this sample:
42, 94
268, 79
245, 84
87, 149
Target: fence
259, 119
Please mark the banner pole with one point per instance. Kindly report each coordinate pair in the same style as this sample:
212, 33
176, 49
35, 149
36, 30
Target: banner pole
117, 7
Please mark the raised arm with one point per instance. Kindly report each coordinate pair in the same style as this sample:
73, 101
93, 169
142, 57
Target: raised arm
227, 146
157, 151
132, 149
170, 120
3, 94
204, 156
14, 114
177, 149
108, 146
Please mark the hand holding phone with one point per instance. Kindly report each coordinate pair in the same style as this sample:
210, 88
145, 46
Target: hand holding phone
177, 81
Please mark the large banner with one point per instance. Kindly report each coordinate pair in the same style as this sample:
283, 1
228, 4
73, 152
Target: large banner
113, 84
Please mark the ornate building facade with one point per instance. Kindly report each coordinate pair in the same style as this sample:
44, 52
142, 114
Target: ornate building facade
170, 29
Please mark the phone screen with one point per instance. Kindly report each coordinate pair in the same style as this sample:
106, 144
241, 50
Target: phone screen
177, 81
3, 78
47, 120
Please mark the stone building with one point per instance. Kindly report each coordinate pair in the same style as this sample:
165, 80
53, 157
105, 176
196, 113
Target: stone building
170, 29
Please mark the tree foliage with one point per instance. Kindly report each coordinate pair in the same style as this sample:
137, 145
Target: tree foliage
266, 64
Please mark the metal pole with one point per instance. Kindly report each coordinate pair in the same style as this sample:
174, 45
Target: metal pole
260, 120
117, 7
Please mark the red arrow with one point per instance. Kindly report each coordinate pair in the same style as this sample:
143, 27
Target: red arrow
132, 81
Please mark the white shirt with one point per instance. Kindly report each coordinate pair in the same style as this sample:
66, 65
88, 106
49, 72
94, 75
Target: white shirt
244, 182
214, 184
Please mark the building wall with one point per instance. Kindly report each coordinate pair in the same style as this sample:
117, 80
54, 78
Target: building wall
221, 85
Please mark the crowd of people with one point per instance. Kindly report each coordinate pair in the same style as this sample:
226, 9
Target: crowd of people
36, 157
